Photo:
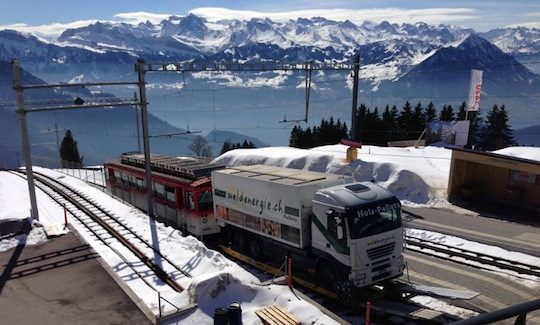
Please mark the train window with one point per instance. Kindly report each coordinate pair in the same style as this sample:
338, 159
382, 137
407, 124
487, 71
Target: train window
141, 184
170, 194
160, 190
117, 174
205, 200
189, 201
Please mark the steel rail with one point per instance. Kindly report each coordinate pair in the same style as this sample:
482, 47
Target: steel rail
160, 273
94, 232
519, 267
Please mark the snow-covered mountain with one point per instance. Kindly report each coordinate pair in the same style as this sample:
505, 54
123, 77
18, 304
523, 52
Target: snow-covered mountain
383, 46
397, 64
515, 41
501, 71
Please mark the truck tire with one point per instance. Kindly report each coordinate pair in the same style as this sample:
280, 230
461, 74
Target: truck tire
239, 241
254, 248
326, 275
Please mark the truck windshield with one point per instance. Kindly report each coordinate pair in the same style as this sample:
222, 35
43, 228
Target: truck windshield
365, 221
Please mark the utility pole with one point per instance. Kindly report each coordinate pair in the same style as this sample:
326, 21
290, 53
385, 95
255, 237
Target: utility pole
356, 70
146, 142
17, 86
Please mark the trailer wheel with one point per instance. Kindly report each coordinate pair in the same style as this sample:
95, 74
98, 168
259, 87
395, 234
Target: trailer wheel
254, 248
326, 275
239, 241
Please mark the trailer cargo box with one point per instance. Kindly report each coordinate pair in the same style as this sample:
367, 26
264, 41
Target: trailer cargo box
271, 201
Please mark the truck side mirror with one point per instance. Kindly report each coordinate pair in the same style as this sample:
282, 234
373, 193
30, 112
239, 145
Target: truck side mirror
337, 221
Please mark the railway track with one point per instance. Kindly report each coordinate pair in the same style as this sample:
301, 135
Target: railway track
107, 228
468, 257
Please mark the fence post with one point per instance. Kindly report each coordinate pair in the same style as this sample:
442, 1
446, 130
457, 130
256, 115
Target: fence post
65, 216
289, 271
368, 312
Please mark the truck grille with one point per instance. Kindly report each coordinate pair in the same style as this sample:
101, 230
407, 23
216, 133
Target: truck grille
381, 251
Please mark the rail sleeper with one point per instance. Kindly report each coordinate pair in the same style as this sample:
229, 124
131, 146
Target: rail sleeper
275, 315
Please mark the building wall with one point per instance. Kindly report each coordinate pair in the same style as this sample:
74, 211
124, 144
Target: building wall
493, 178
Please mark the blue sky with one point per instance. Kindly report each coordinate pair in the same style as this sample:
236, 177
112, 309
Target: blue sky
481, 15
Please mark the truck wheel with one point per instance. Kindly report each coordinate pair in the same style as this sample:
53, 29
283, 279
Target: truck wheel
326, 275
239, 241
254, 248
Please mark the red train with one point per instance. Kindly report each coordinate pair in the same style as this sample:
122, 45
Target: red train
182, 189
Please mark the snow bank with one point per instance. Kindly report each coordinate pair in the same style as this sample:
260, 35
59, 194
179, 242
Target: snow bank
414, 175
532, 153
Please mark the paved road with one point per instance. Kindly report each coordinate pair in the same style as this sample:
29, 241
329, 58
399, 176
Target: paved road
61, 282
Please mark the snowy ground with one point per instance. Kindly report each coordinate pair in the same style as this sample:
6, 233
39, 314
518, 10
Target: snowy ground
418, 176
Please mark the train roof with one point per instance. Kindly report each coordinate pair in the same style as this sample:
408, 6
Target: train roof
192, 168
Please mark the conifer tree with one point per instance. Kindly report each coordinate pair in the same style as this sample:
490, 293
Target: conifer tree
389, 124
497, 134
418, 123
430, 113
475, 129
361, 125
294, 138
227, 146
329, 132
462, 113
405, 121
447, 113
69, 152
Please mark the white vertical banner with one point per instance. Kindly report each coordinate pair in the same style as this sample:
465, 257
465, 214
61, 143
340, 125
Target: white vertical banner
475, 90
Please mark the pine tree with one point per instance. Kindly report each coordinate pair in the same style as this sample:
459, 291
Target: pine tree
405, 121
497, 134
462, 113
294, 138
417, 122
447, 113
430, 113
69, 152
226, 147
475, 129
361, 125
329, 132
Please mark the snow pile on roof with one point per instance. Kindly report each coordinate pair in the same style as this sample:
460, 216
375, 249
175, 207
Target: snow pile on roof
532, 153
